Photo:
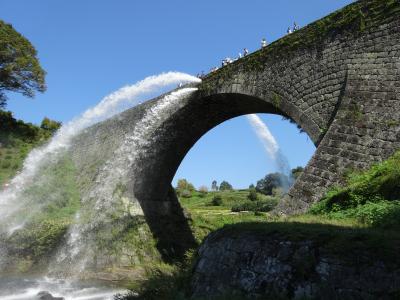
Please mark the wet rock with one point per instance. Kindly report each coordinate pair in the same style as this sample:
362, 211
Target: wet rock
44, 295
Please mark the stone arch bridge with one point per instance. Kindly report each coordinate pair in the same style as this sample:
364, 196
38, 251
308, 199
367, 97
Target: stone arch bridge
338, 79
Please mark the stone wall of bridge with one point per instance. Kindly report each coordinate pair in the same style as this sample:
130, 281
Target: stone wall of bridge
341, 87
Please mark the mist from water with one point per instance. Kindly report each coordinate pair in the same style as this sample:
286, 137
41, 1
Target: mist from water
271, 147
17, 207
12, 200
102, 200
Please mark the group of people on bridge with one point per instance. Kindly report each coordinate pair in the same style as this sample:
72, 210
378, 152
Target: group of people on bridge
293, 29
226, 61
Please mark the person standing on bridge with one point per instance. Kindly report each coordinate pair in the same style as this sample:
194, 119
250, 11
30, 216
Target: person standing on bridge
263, 43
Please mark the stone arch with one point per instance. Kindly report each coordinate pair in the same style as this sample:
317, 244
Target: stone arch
154, 167
184, 127
338, 78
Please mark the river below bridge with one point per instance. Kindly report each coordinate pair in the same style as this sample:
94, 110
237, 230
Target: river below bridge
28, 288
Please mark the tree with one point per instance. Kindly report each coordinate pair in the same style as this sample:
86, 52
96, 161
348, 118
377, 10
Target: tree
214, 185
252, 196
270, 182
225, 186
251, 186
20, 70
296, 172
217, 200
183, 184
50, 125
184, 188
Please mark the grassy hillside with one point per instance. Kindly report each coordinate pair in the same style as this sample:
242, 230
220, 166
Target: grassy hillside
206, 216
16, 140
362, 215
371, 197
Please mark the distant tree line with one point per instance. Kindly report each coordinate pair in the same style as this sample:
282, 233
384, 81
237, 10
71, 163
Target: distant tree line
185, 189
271, 185
27, 131
224, 186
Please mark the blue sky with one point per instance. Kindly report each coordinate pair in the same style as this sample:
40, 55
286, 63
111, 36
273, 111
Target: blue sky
93, 47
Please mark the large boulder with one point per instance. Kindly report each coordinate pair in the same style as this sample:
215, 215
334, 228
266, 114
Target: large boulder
44, 295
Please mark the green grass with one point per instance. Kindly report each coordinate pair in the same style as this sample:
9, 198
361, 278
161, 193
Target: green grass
359, 217
206, 217
198, 201
56, 195
371, 197
17, 139
338, 237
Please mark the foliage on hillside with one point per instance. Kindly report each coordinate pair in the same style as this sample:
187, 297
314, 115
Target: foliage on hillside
363, 215
57, 197
372, 196
17, 139
123, 240
337, 236
20, 70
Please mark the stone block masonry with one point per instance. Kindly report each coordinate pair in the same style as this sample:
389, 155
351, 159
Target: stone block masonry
338, 79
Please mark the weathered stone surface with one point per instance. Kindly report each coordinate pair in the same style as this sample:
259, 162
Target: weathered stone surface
274, 265
343, 91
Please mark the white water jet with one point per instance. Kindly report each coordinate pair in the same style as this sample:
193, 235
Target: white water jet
272, 148
11, 198
114, 103
101, 200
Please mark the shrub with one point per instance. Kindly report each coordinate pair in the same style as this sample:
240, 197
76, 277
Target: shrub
217, 200
252, 196
185, 194
203, 190
272, 181
383, 214
50, 125
296, 172
370, 196
182, 186
6, 164
260, 205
